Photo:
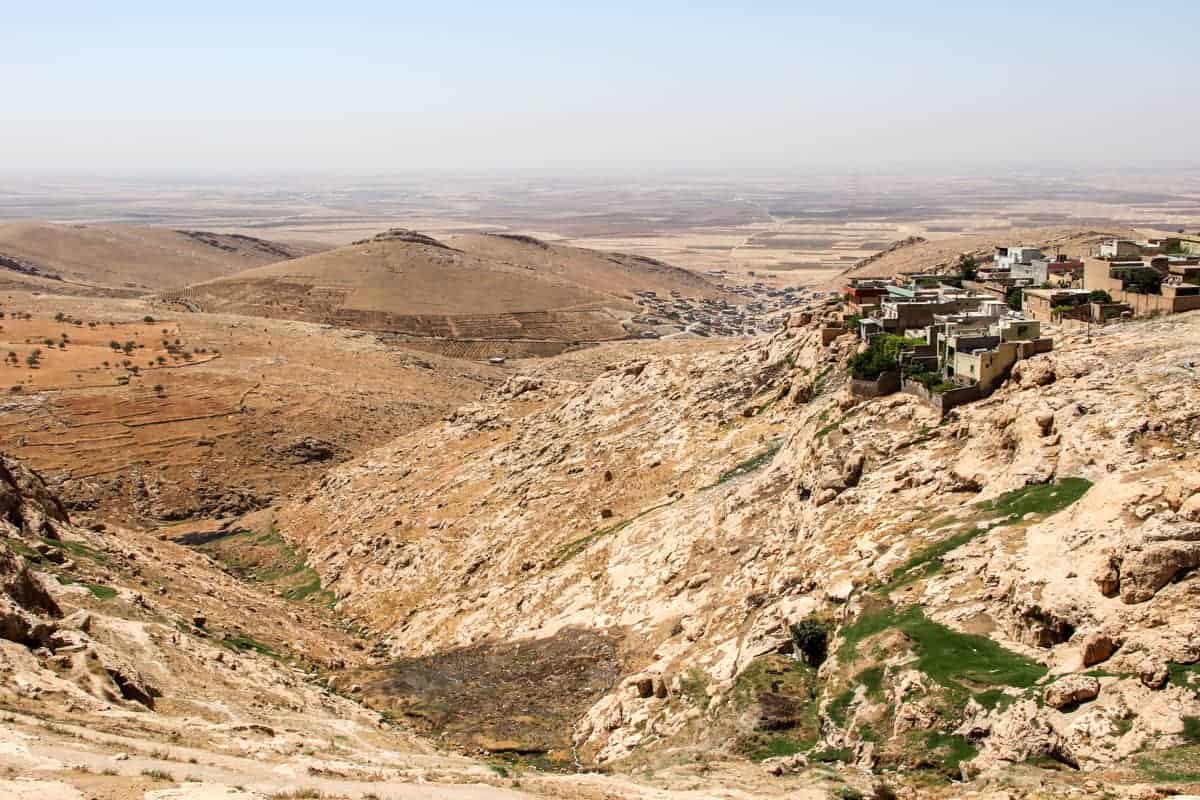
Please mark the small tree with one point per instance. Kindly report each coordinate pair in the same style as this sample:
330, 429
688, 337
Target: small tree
1014, 298
881, 355
968, 267
810, 640
1099, 296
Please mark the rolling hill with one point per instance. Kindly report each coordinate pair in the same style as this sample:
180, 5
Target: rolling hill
535, 297
126, 259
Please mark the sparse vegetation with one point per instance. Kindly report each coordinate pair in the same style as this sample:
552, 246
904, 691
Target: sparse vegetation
1044, 499
268, 558
158, 775
749, 465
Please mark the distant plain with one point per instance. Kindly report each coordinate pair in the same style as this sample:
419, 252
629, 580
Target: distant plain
786, 228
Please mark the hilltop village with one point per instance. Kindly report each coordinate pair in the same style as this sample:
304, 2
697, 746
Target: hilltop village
952, 339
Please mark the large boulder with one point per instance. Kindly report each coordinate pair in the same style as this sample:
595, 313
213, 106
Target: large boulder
1098, 647
1071, 690
1144, 572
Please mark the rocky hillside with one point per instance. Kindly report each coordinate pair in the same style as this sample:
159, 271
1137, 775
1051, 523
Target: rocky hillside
130, 663
727, 553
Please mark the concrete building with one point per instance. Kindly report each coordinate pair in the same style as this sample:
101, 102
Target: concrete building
1005, 257
1185, 244
1044, 270
864, 294
1120, 249
986, 359
1040, 304
1161, 286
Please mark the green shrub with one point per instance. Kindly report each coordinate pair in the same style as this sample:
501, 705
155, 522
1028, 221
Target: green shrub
882, 355
811, 641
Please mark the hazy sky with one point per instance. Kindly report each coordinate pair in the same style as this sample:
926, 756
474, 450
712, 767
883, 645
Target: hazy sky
391, 86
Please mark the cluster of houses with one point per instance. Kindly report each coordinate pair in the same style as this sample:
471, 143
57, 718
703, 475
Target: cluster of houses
956, 344
765, 310
957, 338
1121, 278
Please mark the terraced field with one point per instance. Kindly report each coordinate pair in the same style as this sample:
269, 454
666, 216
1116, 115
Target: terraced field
194, 414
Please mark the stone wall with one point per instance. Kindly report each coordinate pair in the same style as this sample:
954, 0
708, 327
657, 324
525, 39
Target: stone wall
945, 401
887, 383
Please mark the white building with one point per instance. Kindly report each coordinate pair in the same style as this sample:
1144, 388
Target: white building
1005, 257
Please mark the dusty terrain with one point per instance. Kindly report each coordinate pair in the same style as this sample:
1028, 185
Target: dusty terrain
247, 555
126, 259
205, 414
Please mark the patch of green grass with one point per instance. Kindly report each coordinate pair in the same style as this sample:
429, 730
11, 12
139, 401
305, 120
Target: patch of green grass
1184, 675
101, 592
775, 674
1191, 729
776, 678
773, 746
946, 749
960, 661
749, 465
98, 590
572, 549
242, 642
838, 707
1045, 499
79, 550
311, 589
266, 557
1173, 764
842, 755
22, 549
871, 678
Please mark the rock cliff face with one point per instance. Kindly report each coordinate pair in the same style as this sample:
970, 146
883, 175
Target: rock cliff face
100, 624
691, 510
